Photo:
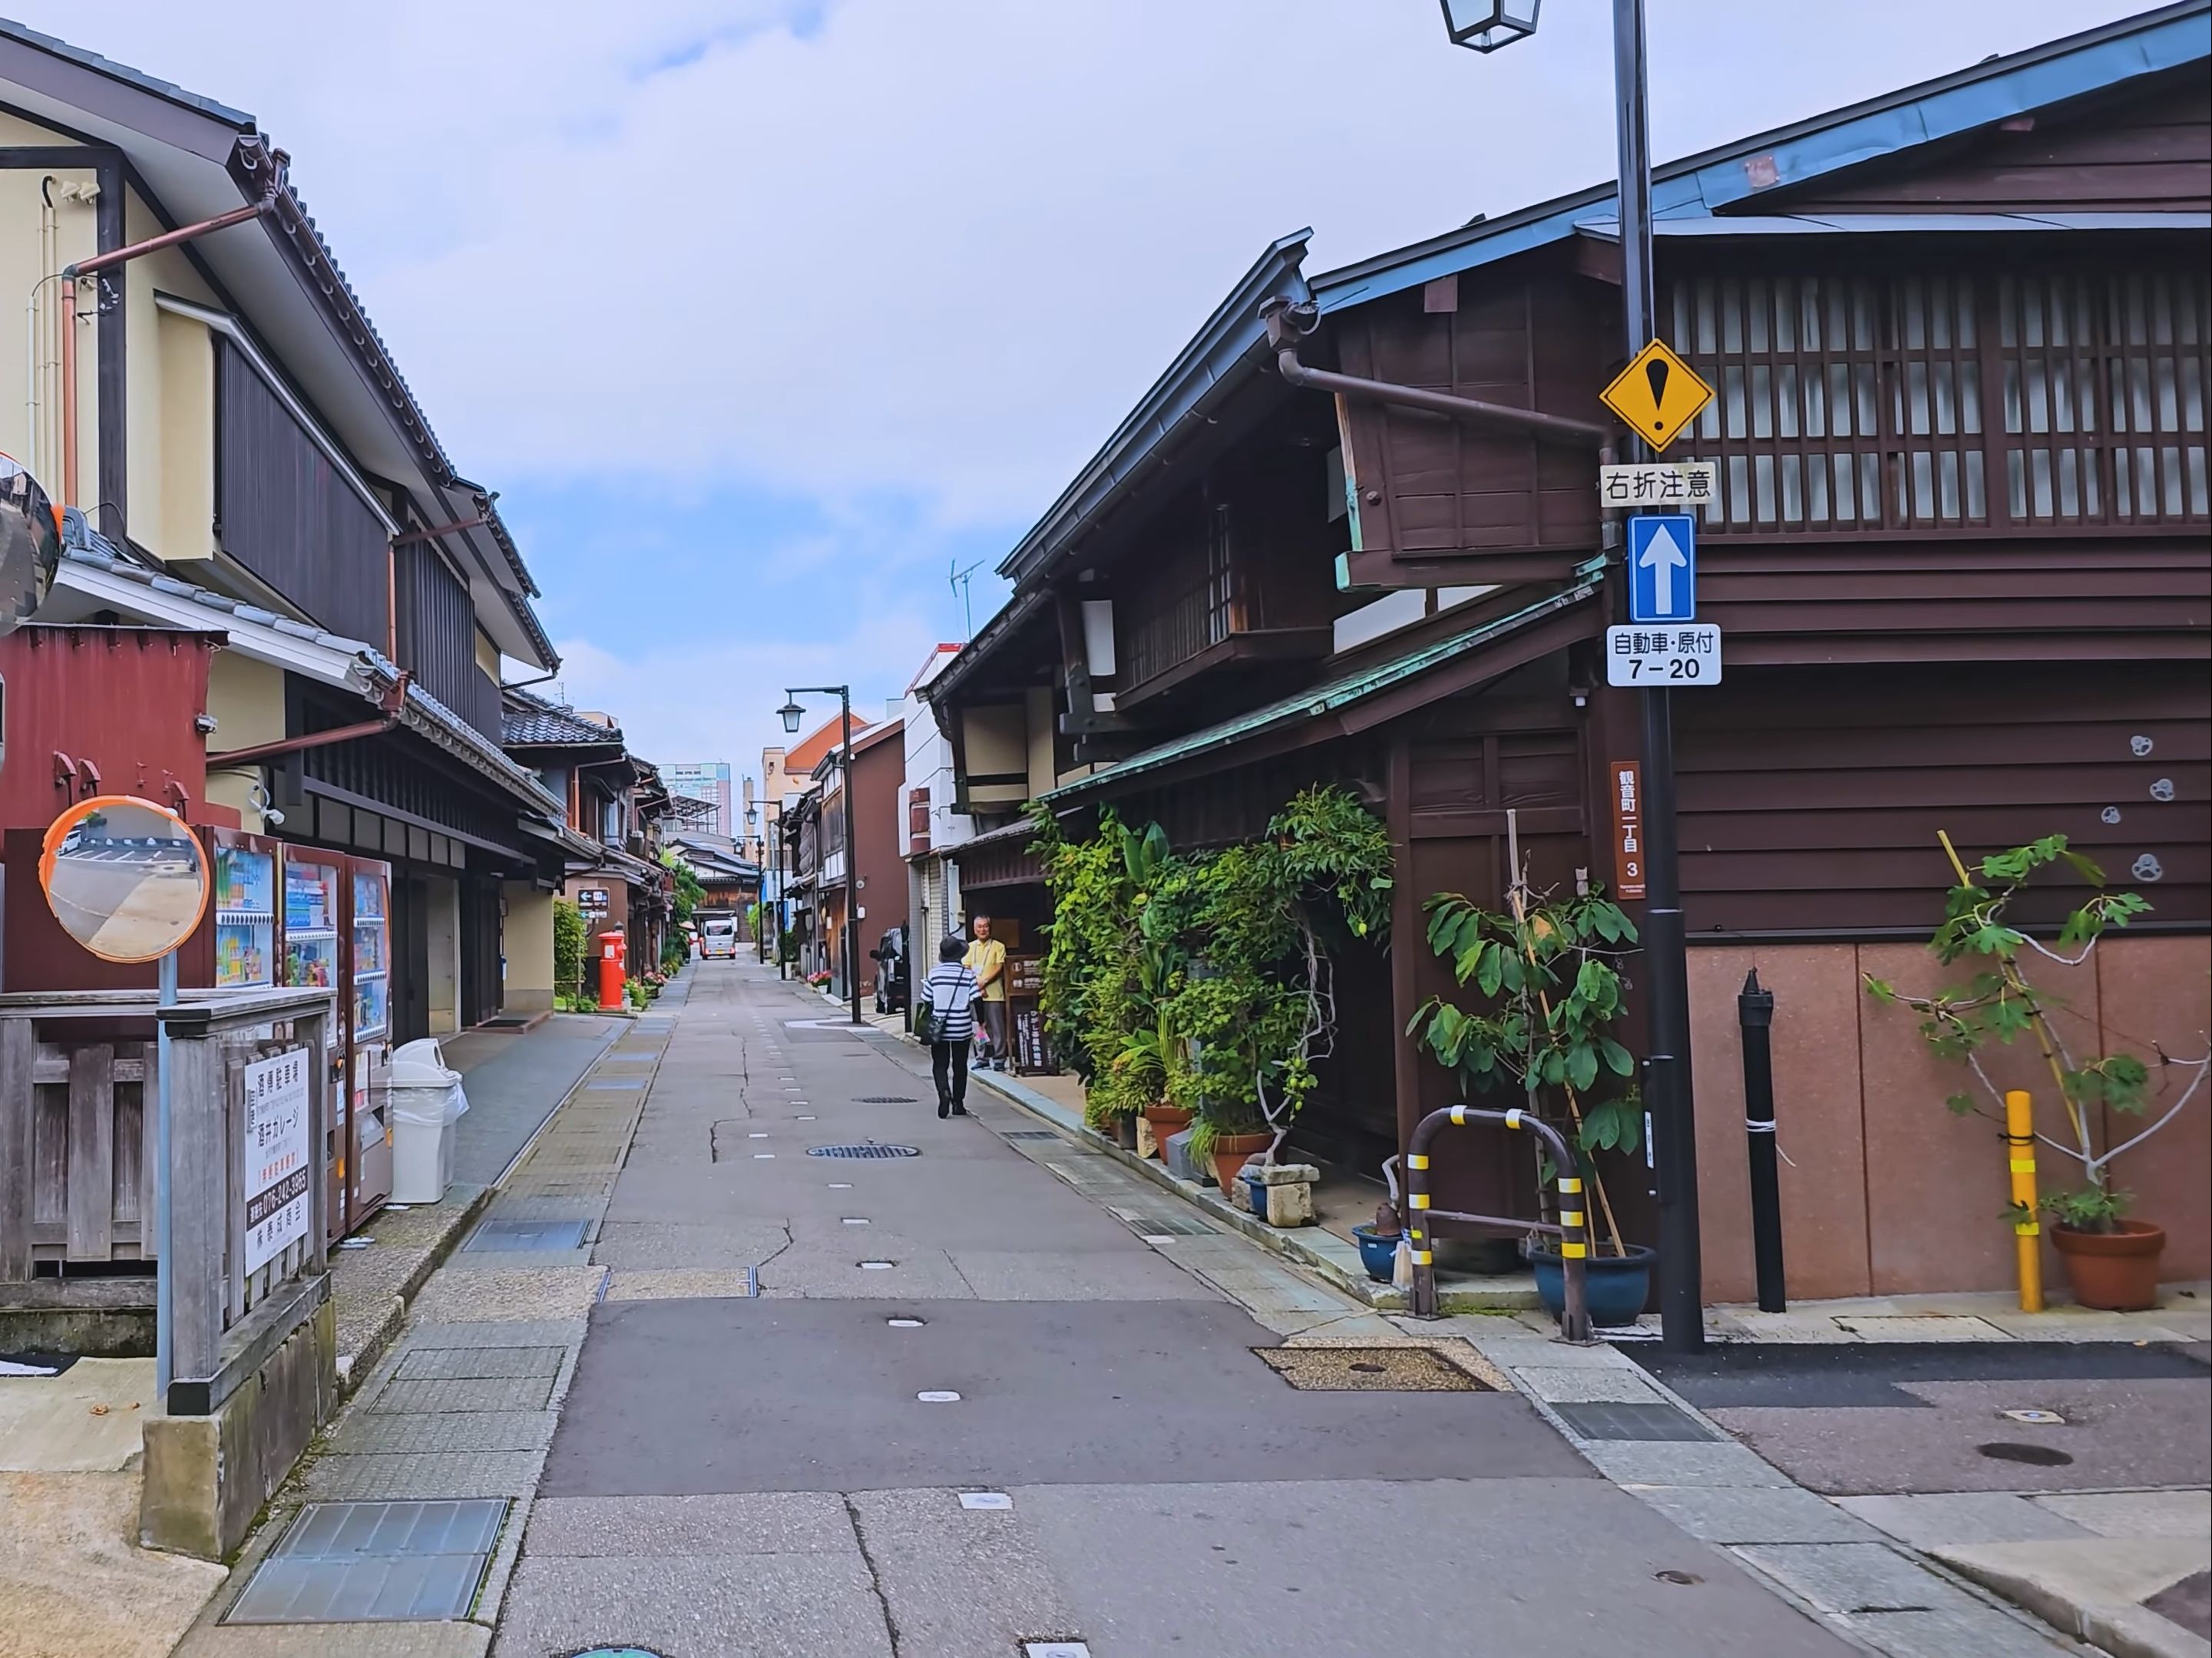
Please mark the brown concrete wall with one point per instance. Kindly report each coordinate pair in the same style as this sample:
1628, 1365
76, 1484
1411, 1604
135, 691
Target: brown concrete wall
1890, 1193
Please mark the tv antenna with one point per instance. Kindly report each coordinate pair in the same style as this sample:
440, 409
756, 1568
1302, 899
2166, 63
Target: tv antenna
960, 582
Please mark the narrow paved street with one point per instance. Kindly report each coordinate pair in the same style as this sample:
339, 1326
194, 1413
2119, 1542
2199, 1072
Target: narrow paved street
801, 1363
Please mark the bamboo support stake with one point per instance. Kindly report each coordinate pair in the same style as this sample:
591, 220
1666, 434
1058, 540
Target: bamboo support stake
2019, 1149
1517, 895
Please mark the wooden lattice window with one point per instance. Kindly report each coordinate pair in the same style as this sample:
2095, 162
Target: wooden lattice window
1949, 400
2104, 397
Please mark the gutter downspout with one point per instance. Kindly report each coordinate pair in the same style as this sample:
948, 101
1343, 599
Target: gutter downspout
108, 260
390, 702
1288, 323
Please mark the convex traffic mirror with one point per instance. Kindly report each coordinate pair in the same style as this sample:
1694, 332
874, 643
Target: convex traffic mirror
125, 878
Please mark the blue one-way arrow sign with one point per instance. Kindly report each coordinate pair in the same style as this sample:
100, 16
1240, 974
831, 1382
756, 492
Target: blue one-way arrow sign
1662, 567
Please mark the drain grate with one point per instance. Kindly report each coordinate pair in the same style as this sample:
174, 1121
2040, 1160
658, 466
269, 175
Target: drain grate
346, 1562
886, 1099
1642, 1422
527, 1234
1369, 1369
1146, 1224
1029, 1134
870, 1150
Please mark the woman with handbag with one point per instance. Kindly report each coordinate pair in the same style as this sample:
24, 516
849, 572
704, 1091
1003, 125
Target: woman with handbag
946, 1021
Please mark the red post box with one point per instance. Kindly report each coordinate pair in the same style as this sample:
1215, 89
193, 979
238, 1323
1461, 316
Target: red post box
614, 967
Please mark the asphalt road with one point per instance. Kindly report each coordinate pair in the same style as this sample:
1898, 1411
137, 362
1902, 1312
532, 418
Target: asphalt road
1881, 1418
783, 1474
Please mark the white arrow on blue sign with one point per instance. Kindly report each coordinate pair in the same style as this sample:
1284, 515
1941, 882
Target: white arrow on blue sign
1662, 567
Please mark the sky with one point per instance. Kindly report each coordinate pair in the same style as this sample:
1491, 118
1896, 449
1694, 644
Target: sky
765, 316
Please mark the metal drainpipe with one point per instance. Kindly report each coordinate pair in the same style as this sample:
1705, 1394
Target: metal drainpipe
392, 702
113, 257
1288, 323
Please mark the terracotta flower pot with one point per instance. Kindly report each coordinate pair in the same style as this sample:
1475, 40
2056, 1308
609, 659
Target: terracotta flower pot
1165, 1120
1231, 1151
2113, 1272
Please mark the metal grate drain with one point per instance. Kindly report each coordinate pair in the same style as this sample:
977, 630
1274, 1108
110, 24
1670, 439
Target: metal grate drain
1029, 1134
527, 1234
886, 1099
1369, 1369
1146, 1224
348, 1562
870, 1150
1642, 1422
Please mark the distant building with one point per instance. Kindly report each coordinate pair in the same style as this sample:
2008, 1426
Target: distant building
707, 780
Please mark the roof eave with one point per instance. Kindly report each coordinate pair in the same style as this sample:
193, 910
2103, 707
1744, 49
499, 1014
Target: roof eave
1227, 340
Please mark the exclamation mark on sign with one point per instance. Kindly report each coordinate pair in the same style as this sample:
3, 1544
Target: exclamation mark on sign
1656, 371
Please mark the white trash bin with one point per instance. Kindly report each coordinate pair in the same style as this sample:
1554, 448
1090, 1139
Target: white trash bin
426, 1100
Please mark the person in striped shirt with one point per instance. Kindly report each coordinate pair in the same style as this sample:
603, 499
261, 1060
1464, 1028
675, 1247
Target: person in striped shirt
949, 993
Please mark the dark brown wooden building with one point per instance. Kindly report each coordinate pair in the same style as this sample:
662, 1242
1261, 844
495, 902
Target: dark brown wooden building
1962, 337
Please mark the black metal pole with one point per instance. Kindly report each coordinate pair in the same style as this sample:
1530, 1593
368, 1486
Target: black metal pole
1754, 1014
852, 873
1674, 1129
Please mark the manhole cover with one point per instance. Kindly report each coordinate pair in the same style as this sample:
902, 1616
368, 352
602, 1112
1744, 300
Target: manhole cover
870, 1150
1638, 1422
1369, 1369
886, 1099
348, 1562
528, 1235
2041, 1456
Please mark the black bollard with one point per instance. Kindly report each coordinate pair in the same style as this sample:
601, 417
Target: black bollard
1755, 1013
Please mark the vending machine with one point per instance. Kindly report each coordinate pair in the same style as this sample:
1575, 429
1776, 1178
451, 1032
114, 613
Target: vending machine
368, 1030
334, 933
245, 933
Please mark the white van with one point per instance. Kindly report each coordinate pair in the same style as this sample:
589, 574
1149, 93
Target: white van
718, 936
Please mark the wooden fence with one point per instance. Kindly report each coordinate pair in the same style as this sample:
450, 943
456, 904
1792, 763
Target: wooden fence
78, 1139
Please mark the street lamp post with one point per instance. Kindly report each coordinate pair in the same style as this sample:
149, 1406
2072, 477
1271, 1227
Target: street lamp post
791, 714
1485, 25
760, 886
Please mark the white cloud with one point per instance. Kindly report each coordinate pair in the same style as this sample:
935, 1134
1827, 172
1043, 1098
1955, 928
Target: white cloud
935, 248
688, 699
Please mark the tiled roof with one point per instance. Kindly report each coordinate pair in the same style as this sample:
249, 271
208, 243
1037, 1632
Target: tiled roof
533, 722
801, 760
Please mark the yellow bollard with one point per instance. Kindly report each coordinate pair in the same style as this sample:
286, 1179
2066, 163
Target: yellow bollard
2020, 1145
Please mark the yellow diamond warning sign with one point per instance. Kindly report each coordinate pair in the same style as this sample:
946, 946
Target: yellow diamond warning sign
1657, 395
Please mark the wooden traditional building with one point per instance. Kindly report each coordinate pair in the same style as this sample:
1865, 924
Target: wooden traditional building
247, 458
1961, 337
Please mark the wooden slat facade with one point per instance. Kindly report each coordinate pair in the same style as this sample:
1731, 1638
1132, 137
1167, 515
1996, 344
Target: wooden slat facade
287, 514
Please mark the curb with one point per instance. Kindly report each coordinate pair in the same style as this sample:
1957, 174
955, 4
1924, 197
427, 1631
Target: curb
1290, 1244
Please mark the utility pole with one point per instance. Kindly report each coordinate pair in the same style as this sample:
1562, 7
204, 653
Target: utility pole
1487, 26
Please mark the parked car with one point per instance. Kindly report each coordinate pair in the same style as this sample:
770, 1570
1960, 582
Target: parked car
894, 970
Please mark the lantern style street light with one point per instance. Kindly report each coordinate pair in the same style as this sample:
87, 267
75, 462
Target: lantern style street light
760, 881
791, 714
1487, 25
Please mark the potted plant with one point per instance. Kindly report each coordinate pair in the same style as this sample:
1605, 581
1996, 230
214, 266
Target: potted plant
1546, 970
1378, 1242
2112, 1261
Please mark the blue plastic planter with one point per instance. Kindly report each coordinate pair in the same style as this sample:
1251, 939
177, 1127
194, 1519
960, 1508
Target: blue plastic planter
1378, 1255
1616, 1286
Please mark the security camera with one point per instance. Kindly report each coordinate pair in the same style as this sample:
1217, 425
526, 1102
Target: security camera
204, 724
273, 817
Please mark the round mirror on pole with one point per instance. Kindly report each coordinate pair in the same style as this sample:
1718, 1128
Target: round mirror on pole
125, 877
30, 545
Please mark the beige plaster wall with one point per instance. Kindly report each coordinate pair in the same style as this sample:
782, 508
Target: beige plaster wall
526, 941
1886, 1192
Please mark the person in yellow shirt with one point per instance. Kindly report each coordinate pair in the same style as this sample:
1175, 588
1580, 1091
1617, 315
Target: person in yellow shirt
987, 959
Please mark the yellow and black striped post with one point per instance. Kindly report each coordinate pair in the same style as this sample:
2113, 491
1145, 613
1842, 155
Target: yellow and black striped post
2027, 1239
1572, 1230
